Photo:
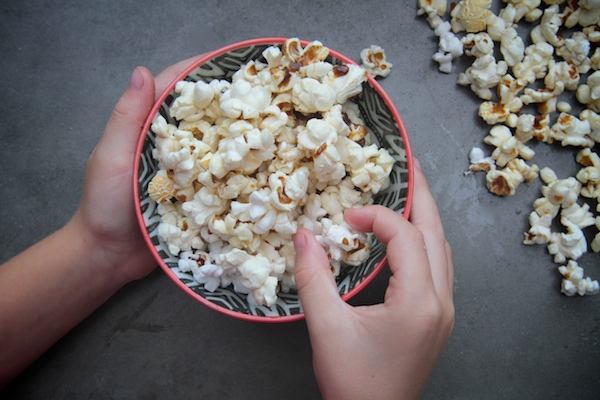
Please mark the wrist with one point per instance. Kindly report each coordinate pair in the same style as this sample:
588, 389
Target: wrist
96, 259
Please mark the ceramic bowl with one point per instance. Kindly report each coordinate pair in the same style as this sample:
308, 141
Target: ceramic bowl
385, 128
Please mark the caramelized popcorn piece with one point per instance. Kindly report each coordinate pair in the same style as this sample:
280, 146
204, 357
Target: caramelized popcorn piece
161, 188
470, 15
505, 182
374, 61
479, 162
571, 131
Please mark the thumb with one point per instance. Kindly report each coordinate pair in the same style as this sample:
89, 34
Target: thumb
130, 113
314, 280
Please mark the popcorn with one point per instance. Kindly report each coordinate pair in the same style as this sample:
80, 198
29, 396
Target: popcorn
507, 146
550, 25
571, 131
589, 93
562, 192
346, 81
539, 232
577, 215
564, 37
450, 47
470, 15
575, 50
567, 245
574, 282
205, 205
527, 9
512, 46
240, 171
437, 7
477, 44
589, 175
161, 188
479, 162
595, 244
586, 13
374, 61
245, 100
535, 63
505, 182
482, 75
311, 96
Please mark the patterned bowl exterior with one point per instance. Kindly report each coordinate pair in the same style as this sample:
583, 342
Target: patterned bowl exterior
385, 128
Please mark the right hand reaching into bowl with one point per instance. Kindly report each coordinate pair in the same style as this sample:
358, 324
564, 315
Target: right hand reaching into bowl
388, 350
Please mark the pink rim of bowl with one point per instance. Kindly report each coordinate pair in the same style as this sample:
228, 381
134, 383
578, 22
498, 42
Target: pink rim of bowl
203, 59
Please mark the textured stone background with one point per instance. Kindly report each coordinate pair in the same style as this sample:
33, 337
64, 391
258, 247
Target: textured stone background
64, 64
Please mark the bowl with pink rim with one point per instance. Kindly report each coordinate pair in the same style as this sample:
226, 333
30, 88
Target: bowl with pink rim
201, 249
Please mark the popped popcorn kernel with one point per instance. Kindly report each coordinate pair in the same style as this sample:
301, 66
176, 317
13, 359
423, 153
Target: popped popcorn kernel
161, 188
574, 282
470, 15
374, 61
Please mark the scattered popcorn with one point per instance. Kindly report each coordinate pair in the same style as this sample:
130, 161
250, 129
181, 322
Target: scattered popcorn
535, 63
527, 9
574, 282
251, 160
484, 74
589, 93
571, 131
450, 47
589, 175
507, 146
539, 232
528, 93
505, 182
436, 7
567, 245
374, 61
586, 13
575, 50
479, 162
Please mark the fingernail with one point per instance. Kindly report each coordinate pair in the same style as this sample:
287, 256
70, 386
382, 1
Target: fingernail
137, 79
300, 241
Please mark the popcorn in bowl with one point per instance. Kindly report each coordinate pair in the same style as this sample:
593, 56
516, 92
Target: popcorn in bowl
251, 143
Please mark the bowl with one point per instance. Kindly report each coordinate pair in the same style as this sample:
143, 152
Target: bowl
385, 128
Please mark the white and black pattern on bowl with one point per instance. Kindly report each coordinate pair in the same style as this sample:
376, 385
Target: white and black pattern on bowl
382, 130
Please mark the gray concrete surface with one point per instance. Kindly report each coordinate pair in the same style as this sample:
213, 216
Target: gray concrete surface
64, 64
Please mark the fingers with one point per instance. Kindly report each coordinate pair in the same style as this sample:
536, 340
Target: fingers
425, 216
417, 251
314, 280
128, 116
406, 252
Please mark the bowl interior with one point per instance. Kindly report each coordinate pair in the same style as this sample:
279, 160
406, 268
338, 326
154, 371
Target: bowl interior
385, 129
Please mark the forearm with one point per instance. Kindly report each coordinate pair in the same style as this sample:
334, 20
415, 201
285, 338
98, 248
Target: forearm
46, 291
